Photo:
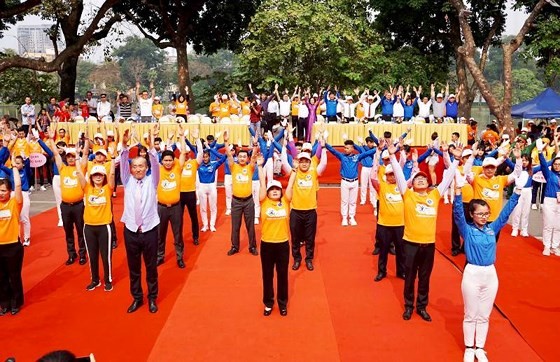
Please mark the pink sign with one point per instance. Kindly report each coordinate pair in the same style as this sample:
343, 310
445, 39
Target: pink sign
37, 160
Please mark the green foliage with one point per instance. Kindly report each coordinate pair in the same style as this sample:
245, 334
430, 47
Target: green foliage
83, 84
544, 44
525, 86
18, 83
138, 58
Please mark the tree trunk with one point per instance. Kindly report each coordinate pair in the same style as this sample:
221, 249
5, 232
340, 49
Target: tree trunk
68, 74
183, 74
505, 120
465, 98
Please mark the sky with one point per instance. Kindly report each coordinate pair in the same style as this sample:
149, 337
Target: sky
514, 22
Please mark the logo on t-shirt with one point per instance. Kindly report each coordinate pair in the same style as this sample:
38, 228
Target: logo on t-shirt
95, 200
273, 213
425, 211
489, 194
168, 185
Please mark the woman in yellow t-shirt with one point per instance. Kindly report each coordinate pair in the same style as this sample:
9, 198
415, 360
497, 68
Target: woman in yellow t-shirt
11, 250
157, 108
98, 215
275, 247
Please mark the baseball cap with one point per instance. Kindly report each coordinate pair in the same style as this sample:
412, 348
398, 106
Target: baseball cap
98, 169
102, 151
420, 173
388, 169
490, 161
110, 133
274, 183
71, 150
451, 95
385, 154
466, 153
307, 146
157, 98
439, 95
304, 155
98, 135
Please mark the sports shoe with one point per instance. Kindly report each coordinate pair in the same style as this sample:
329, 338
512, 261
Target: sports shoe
60, 223
256, 221
353, 221
374, 211
204, 229
26, 242
469, 355
212, 229
446, 201
108, 286
93, 285
43, 188
524, 233
514, 232
345, 222
480, 355
555, 251
31, 188
228, 212
546, 251
362, 202
533, 206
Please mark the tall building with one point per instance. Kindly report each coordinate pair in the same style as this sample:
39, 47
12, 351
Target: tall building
34, 42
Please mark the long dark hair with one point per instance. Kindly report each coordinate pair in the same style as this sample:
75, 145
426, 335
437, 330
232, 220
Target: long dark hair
530, 166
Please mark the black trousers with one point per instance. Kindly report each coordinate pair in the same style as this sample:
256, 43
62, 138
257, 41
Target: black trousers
11, 284
535, 192
242, 208
419, 260
98, 242
188, 199
173, 215
303, 227
455, 237
295, 128
138, 246
386, 235
73, 217
275, 255
302, 128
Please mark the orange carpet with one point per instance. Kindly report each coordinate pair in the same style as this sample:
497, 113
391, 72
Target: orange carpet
212, 310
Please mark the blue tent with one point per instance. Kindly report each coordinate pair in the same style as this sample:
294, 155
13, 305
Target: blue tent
545, 105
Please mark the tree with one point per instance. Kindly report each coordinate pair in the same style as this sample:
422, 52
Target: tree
136, 58
208, 25
83, 84
500, 109
69, 24
525, 84
544, 44
106, 78
12, 11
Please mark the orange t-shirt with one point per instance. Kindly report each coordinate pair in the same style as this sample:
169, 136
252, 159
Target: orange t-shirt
275, 224
491, 191
9, 221
242, 180
188, 176
420, 216
70, 188
391, 206
305, 190
169, 187
97, 210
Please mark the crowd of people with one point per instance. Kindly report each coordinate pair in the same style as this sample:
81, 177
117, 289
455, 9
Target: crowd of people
162, 178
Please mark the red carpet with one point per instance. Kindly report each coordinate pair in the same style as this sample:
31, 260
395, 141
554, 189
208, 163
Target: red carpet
212, 310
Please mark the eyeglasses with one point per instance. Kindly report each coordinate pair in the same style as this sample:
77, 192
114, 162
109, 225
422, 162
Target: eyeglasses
556, 164
481, 214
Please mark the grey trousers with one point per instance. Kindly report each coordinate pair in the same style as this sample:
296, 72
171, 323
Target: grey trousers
246, 208
173, 214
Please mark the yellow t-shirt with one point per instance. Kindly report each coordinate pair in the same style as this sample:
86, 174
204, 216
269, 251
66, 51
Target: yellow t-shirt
420, 216
245, 108
467, 190
35, 147
275, 216
181, 108
70, 188
241, 177
188, 176
112, 150
491, 191
9, 221
21, 148
295, 108
359, 111
157, 110
391, 206
214, 109
169, 187
97, 210
233, 107
305, 190
224, 110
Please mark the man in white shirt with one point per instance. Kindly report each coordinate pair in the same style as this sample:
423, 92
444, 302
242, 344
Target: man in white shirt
370, 105
145, 103
103, 107
27, 115
92, 104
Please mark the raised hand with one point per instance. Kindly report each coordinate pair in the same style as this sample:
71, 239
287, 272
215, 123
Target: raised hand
391, 148
415, 155
444, 147
195, 133
457, 152
260, 160
295, 163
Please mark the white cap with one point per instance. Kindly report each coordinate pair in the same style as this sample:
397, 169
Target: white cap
349, 98
439, 95
490, 161
553, 120
71, 150
385, 154
315, 95
145, 135
274, 183
524, 129
370, 97
224, 96
307, 146
304, 155
466, 153
102, 151
98, 135
110, 133
530, 121
98, 169
505, 136
388, 169
157, 98
451, 95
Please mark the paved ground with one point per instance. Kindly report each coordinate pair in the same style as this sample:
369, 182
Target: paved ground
44, 200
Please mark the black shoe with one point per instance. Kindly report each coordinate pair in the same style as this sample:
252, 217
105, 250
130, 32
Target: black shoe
376, 251
3, 311
267, 311
196, 242
425, 316
159, 262
283, 312
134, 306
232, 251
253, 251
309, 265
108, 286
392, 250
296, 265
181, 263
380, 277
401, 276
407, 314
114, 244
91, 286
455, 252
15, 310
83, 260
152, 306
70, 260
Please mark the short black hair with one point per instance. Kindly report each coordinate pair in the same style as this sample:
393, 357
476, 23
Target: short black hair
387, 134
61, 144
369, 139
167, 153
210, 138
157, 139
21, 129
477, 202
242, 151
349, 143
456, 134
298, 144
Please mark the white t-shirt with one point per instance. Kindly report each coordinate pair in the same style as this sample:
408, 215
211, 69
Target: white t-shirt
273, 107
303, 111
285, 108
398, 109
145, 107
424, 109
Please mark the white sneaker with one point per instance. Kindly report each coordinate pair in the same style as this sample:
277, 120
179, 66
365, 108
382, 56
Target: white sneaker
60, 224
26, 242
546, 251
212, 229
524, 233
31, 188
374, 211
469, 355
353, 221
446, 201
43, 188
480, 354
555, 251
514, 232
204, 228
228, 212
256, 221
345, 222
362, 202
534, 206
